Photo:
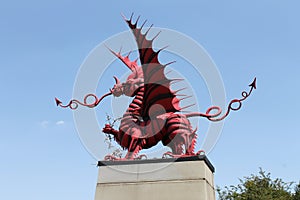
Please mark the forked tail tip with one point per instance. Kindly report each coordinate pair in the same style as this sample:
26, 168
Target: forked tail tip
253, 84
57, 101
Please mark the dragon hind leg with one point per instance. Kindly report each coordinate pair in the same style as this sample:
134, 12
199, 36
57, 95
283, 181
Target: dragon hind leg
134, 148
190, 145
181, 138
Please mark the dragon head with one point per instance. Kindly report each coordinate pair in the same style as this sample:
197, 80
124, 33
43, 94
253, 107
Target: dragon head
133, 82
129, 88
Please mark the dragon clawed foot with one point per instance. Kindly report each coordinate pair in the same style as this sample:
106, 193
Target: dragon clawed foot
200, 152
172, 155
114, 158
140, 157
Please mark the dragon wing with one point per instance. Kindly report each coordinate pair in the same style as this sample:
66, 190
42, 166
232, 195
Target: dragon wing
156, 85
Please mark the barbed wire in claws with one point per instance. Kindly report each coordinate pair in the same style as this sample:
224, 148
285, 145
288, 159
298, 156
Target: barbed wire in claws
117, 151
112, 124
215, 117
73, 104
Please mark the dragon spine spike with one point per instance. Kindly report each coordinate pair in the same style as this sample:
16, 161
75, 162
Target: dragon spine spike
123, 16
181, 95
161, 49
137, 20
177, 80
143, 24
187, 106
179, 90
183, 98
156, 35
168, 72
148, 30
169, 63
128, 54
187, 97
131, 16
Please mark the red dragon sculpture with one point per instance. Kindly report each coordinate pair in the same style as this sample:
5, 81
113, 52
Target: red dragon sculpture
154, 113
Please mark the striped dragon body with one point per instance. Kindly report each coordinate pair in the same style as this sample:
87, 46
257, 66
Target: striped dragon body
134, 134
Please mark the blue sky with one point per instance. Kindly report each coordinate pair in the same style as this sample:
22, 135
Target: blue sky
44, 43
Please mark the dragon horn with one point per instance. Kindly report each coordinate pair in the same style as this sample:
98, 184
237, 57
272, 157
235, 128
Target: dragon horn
117, 80
125, 59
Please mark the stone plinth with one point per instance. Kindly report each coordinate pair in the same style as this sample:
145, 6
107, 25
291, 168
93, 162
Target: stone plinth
175, 179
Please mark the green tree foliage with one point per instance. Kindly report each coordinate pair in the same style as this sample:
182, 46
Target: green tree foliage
297, 192
260, 187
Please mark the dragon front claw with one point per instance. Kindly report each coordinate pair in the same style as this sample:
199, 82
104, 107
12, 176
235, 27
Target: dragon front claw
107, 129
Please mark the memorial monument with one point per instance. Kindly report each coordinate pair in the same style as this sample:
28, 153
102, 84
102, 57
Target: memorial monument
154, 116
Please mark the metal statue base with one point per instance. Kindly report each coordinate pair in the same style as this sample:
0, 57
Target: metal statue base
176, 179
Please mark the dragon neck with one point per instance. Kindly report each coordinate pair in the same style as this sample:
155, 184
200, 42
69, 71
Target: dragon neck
136, 104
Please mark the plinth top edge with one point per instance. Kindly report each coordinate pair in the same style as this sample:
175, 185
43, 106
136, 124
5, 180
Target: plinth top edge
159, 160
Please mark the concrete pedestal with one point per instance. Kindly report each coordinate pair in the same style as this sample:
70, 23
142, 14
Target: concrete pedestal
175, 179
